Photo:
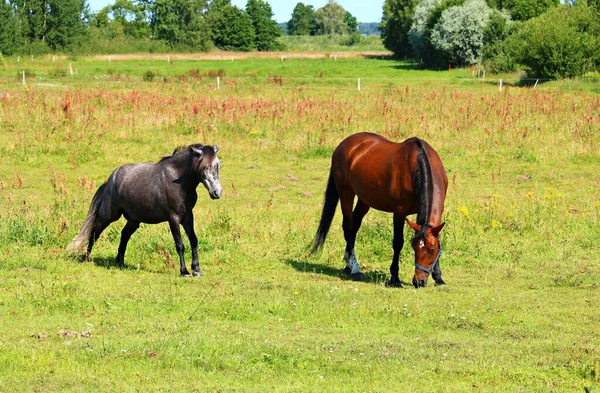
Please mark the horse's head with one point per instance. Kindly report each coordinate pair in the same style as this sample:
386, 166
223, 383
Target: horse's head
428, 250
206, 164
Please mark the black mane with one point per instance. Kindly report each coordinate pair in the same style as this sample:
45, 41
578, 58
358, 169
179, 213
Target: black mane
423, 186
180, 149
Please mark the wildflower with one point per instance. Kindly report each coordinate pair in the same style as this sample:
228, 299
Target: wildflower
495, 224
464, 211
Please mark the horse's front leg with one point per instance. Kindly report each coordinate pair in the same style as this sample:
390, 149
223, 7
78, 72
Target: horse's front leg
188, 226
397, 245
174, 226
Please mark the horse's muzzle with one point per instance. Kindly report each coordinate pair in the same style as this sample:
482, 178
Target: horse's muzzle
216, 194
419, 283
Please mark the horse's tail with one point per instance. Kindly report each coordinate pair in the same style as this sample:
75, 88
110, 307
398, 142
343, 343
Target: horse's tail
329, 207
81, 241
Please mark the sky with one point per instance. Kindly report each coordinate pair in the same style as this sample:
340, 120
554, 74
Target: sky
363, 10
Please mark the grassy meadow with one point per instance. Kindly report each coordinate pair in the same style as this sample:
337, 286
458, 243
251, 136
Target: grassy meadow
520, 312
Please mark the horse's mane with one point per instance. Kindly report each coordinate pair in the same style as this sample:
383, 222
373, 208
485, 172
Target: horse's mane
422, 185
179, 149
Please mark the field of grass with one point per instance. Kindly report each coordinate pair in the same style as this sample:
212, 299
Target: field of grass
519, 313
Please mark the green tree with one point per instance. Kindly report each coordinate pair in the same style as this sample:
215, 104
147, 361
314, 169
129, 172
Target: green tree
181, 22
130, 16
459, 32
395, 25
495, 34
331, 19
233, 30
351, 22
9, 29
265, 28
561, 43
527, 9
302, 21
419, 32
65, 23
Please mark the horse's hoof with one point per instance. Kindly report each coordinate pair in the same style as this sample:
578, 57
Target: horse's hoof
347, 271
440, 282
197, 274
395, 284
186, 274
356, 277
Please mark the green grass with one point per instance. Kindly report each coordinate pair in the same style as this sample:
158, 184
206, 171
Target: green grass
331, 44
519, 312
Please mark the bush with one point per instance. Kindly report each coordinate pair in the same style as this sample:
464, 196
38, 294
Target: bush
352, 39
562, 43
149, 75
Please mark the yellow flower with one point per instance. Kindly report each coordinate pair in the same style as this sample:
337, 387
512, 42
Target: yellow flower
495, 224
530, 194
464, 211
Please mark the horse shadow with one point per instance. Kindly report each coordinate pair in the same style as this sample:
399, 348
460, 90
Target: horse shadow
371, 277
110, 263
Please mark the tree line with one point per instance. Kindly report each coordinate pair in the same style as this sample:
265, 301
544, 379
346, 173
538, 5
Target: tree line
546, 38
42, 26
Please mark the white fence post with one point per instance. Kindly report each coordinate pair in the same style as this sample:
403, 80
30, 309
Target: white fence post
23, 78
358, 84
536, 82
500, 85
218, 83
71, 68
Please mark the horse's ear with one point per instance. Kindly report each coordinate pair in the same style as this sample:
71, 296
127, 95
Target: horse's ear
216, 147
197, 152
436, 230
413, 225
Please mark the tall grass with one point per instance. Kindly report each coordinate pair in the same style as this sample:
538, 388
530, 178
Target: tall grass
520, 260
342, 43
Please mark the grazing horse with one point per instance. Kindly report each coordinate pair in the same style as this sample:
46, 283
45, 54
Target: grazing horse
400, 178
154, 193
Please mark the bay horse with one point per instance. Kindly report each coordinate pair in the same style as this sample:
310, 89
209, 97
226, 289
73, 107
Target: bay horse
400, 178
153, 193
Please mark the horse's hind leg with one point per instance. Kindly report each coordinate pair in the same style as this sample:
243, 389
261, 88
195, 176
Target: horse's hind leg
176, 232
397, 245
188, 226
128, 230
350, 230
99, 227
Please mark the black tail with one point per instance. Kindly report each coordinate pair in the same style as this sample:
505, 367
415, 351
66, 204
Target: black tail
329, 207
81, 241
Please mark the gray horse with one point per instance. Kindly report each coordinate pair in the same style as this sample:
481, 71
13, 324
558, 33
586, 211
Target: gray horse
153, 193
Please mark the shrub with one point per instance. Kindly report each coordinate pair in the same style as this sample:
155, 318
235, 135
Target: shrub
149, 75
562, 43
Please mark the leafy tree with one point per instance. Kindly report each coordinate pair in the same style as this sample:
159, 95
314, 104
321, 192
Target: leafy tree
495, 34
395, 25
265, 27
65, 23
561, 43
181, 22
419, 33
302, 21
233, 30
351, 22
130, 17
459, 32
527, 9
9, 29
331, 19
